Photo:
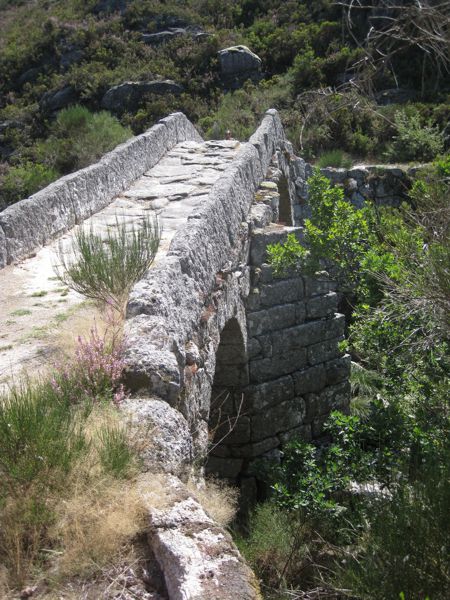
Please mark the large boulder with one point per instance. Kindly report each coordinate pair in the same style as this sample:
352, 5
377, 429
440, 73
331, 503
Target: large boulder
237, 64
56, 100
128, 95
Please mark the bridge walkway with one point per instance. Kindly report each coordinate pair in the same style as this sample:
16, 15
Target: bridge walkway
38, 316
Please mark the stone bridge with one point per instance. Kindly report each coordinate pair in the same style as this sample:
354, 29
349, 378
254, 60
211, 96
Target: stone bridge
225, 361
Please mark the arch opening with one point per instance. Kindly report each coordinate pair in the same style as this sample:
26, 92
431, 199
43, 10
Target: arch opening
227, 424
285, 207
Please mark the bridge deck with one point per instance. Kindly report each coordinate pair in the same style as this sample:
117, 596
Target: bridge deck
37, 314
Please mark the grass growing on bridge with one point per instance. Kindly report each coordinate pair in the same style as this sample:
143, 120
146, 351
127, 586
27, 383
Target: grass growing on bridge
104, 269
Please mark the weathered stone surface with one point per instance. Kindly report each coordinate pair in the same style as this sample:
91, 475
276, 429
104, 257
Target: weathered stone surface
283, 417
312, 379
128, 95
198, 558
161, 37
162, 435
270, 235
280, 363
338, 370
50, 212
384, 184
259, 397
334, 397
319, 285
3, 253
324, 351
255, 449
261, 215
276, 317
321, 306
281, 292
237, 64
193, 329
226, 467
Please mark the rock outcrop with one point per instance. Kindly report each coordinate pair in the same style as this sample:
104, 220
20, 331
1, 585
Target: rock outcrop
128, 95
237, 64
56, 100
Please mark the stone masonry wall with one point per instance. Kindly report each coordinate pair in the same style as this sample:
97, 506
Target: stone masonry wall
295, 373
382, 184
49, 213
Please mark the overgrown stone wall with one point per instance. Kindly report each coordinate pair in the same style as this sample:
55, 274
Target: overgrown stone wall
384, 185
49, 213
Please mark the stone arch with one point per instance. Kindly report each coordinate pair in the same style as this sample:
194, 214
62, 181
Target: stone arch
285, 205
226, 421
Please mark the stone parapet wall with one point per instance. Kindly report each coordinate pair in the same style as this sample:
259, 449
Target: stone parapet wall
33, 222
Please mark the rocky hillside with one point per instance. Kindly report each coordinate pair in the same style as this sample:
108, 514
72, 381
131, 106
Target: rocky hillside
343, 79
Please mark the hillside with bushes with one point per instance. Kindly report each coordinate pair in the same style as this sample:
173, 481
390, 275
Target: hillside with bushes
344, 79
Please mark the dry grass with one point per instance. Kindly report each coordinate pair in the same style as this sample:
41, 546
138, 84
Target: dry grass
218, 499
154, 491
94, 524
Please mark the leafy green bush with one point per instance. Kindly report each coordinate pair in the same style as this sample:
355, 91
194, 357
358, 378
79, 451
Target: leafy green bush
24, 180
106, 269
378, 493
279, 548
405, 548
79, 138
283, 257
415, 140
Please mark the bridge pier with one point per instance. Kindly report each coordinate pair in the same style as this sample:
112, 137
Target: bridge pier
293, 373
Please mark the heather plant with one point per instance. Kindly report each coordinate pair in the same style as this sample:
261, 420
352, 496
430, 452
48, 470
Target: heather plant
105, 269
93, 374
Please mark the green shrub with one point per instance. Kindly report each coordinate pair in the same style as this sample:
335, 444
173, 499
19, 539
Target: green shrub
414, 140
405, 549
288, 255
106, 269
443, 166
39, 436
334, 158
279, 547
114, 451
78, 138
24, 180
